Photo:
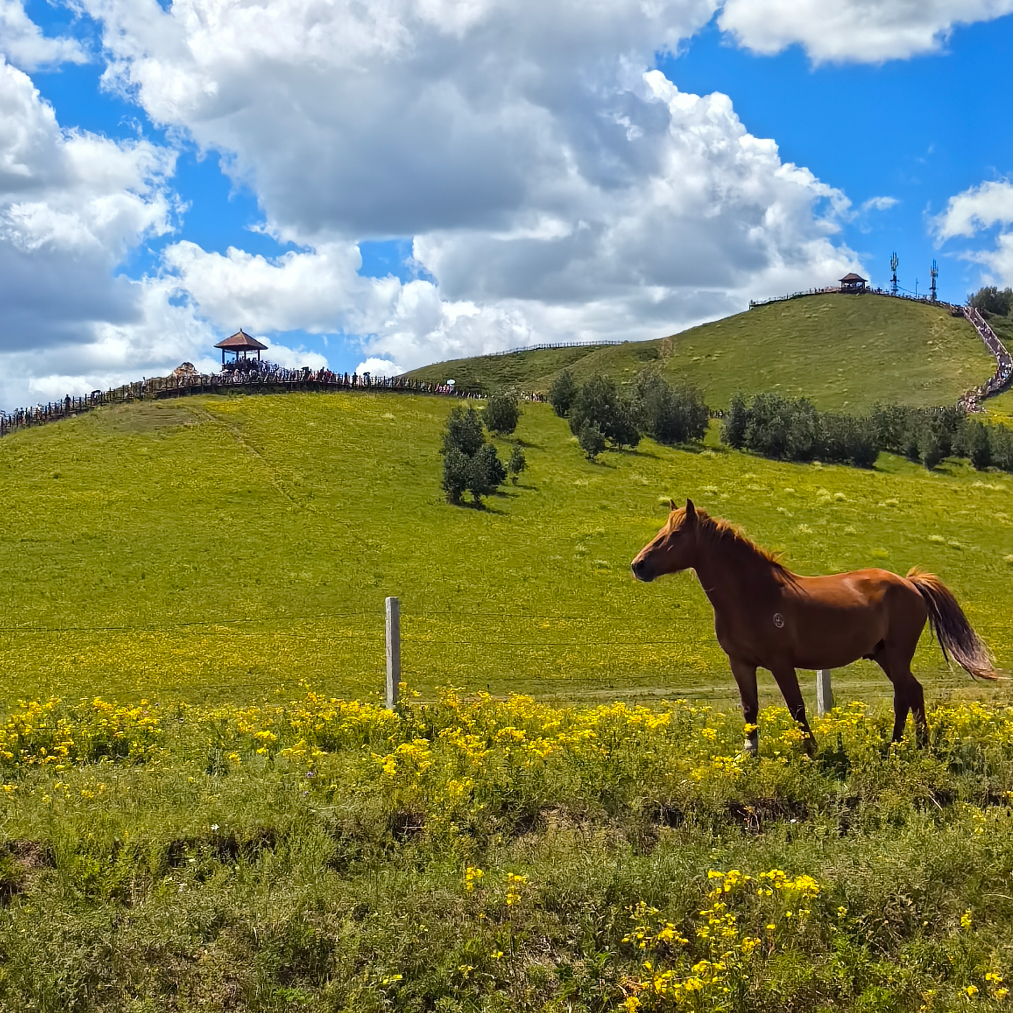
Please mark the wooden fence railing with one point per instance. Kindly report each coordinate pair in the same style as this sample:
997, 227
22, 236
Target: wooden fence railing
268, 381
835, 289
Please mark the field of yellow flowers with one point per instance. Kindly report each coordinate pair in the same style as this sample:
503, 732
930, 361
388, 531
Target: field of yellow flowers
474, 853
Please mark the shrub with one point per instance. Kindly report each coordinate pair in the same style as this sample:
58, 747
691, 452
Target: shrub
793, 430
591, 440
501, 414
666, 414
782, 429
516, 464
846, 439
862, 447
898, 428
599, 403
986, 446
932, 449
562, 393
625, 431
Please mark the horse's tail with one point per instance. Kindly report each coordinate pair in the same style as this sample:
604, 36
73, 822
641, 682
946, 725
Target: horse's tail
954, 633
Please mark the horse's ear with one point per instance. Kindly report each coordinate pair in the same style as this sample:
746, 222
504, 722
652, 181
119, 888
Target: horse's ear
671, 505
690, 511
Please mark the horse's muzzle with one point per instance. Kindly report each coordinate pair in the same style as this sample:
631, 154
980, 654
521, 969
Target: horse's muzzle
640, 571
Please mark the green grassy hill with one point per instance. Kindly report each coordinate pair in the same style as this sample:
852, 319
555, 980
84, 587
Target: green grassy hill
231, 838
229, 548
844, 352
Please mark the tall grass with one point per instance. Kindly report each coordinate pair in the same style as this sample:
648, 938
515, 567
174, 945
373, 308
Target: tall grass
494, 854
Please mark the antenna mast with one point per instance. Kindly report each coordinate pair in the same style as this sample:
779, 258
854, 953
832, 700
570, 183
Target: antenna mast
893, 267
935, 274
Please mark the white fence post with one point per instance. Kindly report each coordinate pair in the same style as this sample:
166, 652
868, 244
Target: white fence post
393, 651
824, 692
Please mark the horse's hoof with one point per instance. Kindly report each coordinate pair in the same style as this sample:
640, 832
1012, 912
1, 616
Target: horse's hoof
750, 747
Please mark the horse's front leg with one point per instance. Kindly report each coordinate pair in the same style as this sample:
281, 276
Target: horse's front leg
745, 677
787, 682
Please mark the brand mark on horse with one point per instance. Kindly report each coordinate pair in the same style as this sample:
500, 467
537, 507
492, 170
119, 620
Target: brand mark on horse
778, 620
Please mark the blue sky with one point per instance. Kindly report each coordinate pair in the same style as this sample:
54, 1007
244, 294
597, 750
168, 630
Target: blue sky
552, 187
918, 130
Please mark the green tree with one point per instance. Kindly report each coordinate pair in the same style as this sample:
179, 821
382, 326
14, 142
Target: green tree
937, 434
469, 462
992, 301
485, 473
666, 414
932, 450
456, 473
516, 464
1000, 447
891, 426
464, 431
501, 414
733, 429
976, 445
599, 402
562, 393
591, 440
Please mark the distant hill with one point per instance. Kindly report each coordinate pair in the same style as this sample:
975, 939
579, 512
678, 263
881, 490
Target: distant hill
842, 351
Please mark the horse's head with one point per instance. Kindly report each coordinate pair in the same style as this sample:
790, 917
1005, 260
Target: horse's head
672, 549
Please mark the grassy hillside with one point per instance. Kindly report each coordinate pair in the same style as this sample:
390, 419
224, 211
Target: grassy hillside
227, 836
231, 548
844, 352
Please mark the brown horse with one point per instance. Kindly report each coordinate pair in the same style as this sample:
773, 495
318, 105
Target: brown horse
765, 616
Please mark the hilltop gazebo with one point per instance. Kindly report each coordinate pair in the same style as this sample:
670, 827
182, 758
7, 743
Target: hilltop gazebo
854, 283
240, 345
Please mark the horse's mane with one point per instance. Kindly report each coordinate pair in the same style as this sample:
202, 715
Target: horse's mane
725, 532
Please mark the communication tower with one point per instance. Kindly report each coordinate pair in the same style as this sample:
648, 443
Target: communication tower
935, 274
893, 279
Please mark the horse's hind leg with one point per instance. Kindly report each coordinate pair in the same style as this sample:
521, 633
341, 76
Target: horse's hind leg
787, 682
901, 703
745, 677
900, 664
918, 712
908, 694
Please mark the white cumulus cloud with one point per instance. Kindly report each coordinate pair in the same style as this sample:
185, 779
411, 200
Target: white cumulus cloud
72, 204
24, 45
977, 208
379, 367
554, 186
860, 31
319, 291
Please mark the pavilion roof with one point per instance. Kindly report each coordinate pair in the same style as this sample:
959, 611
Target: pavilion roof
853, 277
241, 341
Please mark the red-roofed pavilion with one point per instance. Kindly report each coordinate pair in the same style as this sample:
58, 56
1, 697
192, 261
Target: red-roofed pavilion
240, 344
